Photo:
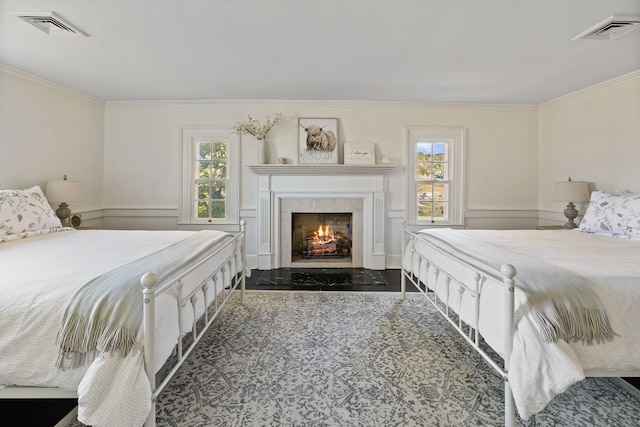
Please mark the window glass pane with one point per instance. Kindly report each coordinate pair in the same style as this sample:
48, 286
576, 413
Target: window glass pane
423, 170
218, 191
202, 189
202, 207
424, 210
440, 192
440, 152
425, 191
424, 150
218, 170
204, 169
204, 150
439, 211
219, 150
439, 171
217, 210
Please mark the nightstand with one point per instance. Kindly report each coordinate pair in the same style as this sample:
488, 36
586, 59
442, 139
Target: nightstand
550, 227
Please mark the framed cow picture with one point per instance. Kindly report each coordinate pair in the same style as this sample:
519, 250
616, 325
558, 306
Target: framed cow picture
318, 140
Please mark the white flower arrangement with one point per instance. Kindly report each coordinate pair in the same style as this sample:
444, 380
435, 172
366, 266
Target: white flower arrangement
253, 126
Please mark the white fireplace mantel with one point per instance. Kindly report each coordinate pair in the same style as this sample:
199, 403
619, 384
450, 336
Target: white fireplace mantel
321, 169
276, 183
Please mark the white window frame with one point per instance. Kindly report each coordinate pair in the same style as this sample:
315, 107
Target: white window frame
455, 138
189, 137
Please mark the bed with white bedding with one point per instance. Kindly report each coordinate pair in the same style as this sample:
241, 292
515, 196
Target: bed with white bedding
42, 267
470, 275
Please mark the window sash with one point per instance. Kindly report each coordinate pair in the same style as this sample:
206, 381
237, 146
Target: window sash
210, 164
210, 196
436, 174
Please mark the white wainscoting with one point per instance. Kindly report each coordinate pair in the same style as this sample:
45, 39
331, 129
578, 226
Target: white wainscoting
167, 219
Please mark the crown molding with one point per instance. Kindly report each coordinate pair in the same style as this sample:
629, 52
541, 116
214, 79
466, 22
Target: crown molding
50, 84
592, 89
284, 102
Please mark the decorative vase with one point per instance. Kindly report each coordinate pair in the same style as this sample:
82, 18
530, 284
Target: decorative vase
262, 151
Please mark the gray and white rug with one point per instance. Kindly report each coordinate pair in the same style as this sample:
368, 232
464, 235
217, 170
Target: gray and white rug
288, 358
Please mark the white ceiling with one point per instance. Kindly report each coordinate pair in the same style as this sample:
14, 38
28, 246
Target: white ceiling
484, 51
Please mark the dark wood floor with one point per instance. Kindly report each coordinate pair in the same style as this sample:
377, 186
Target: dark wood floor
34, 412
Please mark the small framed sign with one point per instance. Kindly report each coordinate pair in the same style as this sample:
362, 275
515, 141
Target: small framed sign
359, 153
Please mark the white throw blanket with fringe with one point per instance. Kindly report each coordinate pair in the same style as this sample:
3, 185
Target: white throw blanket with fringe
105, 315
563, 306
543, 364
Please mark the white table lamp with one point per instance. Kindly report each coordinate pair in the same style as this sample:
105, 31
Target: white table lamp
571, 191
62, 192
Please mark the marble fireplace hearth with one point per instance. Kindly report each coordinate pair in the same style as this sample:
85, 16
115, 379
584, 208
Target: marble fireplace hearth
332, 278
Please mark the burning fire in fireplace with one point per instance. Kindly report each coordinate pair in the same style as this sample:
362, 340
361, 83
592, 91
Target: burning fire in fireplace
324, 242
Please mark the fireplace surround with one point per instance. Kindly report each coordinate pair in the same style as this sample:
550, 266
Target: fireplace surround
356, 189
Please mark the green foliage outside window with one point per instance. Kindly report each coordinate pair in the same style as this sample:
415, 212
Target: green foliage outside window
211, 179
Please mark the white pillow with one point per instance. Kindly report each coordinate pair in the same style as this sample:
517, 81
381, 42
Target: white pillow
25, 210
613, 214
624, 192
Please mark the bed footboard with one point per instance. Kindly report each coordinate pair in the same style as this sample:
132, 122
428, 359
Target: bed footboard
416, 268
234, 267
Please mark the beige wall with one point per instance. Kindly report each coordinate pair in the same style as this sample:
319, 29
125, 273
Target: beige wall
592, 135
46, 132
142, 156
128, 154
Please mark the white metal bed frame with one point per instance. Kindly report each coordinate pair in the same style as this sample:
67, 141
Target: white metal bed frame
149, 295
469, 331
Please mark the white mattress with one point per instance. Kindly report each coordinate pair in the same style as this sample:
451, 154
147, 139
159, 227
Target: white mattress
540, 370
39, 274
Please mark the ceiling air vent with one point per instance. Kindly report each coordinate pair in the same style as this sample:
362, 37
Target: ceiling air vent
611, 28
52, 24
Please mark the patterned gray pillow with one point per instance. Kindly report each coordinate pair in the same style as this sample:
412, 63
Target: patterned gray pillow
25, 210
612, 214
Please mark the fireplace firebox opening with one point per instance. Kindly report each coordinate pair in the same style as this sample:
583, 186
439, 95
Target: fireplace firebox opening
320, 237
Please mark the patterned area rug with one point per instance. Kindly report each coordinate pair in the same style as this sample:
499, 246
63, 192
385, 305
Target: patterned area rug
289, 358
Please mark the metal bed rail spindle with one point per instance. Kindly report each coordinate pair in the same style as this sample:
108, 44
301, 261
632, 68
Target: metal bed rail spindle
226, 269
418, 275
149, 281
179, 303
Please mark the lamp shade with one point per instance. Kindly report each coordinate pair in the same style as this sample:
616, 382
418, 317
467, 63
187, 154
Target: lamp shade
571, 191
64, 191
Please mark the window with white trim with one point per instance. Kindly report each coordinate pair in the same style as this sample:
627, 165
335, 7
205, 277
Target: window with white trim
435, 175
209, 187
